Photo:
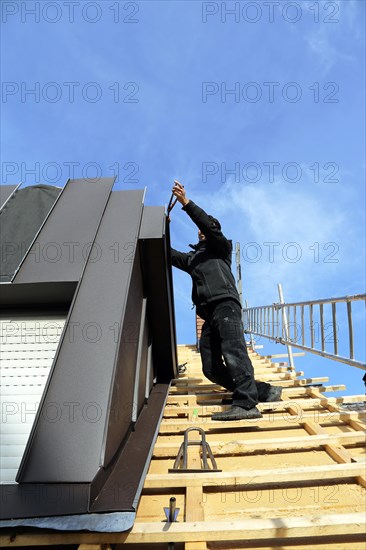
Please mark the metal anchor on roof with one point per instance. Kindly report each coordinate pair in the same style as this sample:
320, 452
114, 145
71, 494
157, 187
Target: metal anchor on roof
182, 368
183, 454
171, 512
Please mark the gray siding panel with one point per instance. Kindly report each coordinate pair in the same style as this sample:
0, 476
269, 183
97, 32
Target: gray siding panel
60, 250
5, 192
20, 221
69, 449
153, 223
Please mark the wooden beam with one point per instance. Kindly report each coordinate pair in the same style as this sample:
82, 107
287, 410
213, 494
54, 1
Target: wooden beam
318, 525
286, 393
253, 446
284, 383
94, 547
172, 426
194, 511
275, 356
207, 408
273, 368
255, 477
337, 452
333, 408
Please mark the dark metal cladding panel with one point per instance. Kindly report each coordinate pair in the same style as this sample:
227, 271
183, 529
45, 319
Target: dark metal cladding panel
151, 371
153, 223
80, 384
123, 487
53, 499
161, 306
20, 221
5, 192
61, 248
159, 286
37, 295
143, 368
120, 408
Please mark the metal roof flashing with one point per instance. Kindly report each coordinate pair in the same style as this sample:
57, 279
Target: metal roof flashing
84, 457
114, 522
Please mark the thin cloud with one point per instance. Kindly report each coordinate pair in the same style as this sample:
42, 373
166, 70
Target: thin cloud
324, 37
290, 236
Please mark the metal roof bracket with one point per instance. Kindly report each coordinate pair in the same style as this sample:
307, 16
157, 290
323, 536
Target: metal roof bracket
183, 454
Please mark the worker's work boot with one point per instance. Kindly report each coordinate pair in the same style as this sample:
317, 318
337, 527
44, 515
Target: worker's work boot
274, 394
227, 401
237, 413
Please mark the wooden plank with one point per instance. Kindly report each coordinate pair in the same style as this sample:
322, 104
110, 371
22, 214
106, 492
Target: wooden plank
277, 355
192, 404
169, 426
284, 383
338, 452
255, 477
94, 547
207, 408
286, 393
252, 529
318, 525
351, 421
240, 447
313, 544
272, 368
267, 375
194, 511
193, 530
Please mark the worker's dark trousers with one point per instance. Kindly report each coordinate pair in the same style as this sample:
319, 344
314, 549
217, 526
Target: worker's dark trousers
223, 337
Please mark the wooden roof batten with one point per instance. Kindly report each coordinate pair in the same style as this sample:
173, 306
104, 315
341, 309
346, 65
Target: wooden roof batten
293, 479
303, 464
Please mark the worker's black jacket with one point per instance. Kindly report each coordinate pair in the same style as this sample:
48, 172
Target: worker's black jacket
210, 262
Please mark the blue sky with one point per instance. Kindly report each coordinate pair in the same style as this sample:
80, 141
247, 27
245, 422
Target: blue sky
257, 107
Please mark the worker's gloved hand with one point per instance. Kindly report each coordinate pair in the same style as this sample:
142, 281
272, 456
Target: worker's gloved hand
179, 192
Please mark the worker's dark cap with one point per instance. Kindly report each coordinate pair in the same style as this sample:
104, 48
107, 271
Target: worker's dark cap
215, 222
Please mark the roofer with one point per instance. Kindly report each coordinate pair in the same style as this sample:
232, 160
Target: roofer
224, 355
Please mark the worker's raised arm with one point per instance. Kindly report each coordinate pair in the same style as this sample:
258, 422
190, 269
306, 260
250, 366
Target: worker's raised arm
204, 222
179, 259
